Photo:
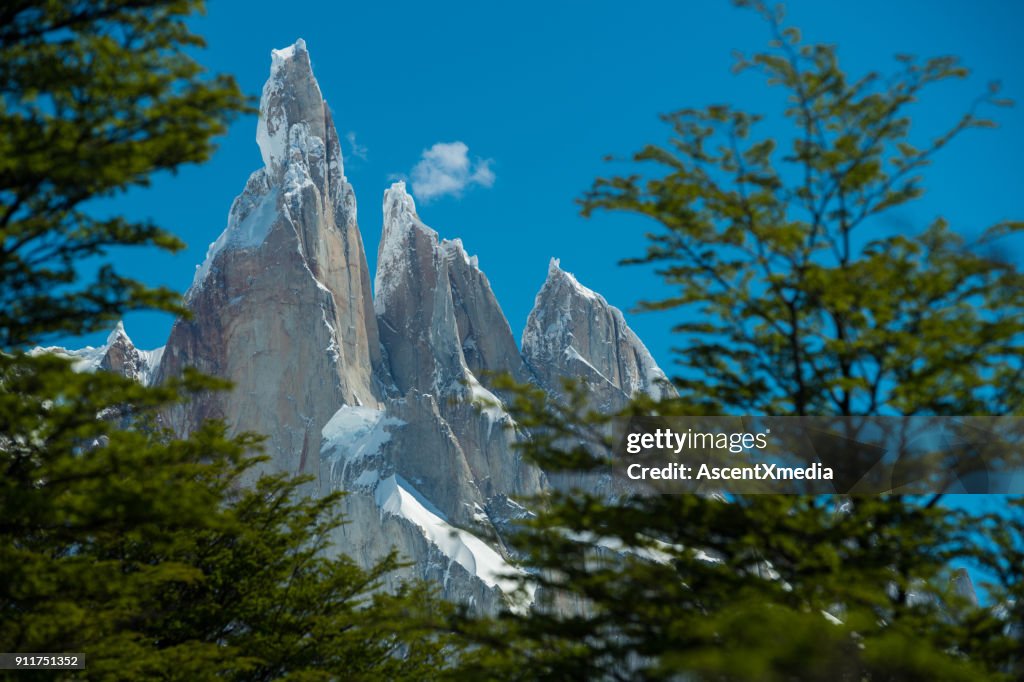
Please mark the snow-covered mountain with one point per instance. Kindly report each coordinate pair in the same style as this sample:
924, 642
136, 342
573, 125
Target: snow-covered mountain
118, 355
574, 332
388, 397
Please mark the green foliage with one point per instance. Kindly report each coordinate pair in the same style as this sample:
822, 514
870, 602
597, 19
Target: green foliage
996, 635
95, 97
143, 550
790, 309
759, 587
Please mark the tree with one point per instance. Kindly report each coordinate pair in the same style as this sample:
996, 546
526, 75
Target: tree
998, 633
119, 539
97, 96
789, 308
799, 311
144, 552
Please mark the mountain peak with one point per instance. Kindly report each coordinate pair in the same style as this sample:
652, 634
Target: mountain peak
279, 57
403, 232
290, 258
398, 203
117, 333
573, 331
454, 248
557, 275
400, 217
291, 96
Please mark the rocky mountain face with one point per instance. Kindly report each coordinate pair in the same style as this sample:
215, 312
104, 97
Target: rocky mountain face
282, 305
574, 332
419, 306
387, 396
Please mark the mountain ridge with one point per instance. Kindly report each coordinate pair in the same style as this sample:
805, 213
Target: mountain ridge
386, 396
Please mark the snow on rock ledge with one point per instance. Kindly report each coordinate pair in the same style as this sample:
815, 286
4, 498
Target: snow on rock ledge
252, 215
356, 432
395, 496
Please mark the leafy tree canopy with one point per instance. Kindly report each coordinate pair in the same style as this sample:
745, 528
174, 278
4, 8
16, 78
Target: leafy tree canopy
95, 97
791, 305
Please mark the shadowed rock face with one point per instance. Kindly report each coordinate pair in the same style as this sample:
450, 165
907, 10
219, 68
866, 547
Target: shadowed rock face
282, 306
121, 356
413, 302
484, 334
432, 302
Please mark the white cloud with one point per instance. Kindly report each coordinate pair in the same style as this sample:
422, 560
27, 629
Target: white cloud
357, 150
446, 168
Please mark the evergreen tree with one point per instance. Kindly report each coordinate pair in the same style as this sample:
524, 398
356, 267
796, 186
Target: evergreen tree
790, 307
144, 552
97, 96
119, 539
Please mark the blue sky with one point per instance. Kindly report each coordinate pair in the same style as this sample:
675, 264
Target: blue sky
539, 93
